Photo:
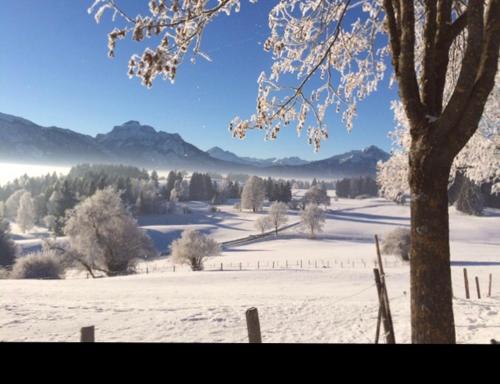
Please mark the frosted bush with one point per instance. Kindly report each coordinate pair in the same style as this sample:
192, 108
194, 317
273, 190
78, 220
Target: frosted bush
25, 217
262, 224
278, 215
397, 242
193, 248
104, 236
312, 219
253, 194
39, 265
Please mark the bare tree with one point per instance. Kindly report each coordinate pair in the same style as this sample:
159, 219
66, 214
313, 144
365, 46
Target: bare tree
338, 63
317, 195
193, 248
253, 194
278, 215
262, 224
312, 219
103, 236
12, 203
25, 217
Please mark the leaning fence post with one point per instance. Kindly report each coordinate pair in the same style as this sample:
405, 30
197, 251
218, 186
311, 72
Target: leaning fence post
389, 332
87, 334
489, 286
466, 282
379, 317
385, 295
253, 325
478, 290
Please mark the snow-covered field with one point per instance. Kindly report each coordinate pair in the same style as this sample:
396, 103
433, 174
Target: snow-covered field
330, 299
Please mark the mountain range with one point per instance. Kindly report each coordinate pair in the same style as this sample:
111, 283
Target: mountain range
133, 143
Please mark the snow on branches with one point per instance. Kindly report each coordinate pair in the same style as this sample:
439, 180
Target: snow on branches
178, 25
310, 42
479, 160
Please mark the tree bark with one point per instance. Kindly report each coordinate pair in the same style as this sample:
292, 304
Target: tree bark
431, 292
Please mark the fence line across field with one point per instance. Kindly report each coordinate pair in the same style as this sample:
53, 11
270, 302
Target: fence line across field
266, 265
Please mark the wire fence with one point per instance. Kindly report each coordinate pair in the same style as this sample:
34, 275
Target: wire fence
157, 266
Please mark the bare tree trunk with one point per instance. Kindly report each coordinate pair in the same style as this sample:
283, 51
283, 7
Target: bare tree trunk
431, 293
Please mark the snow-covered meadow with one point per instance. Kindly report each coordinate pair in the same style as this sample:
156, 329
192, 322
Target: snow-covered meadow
330, 299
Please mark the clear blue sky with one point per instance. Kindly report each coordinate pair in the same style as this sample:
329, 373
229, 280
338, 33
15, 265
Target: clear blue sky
54, 70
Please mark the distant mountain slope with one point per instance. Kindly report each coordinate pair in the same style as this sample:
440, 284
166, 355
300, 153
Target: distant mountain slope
24, 141
131, 143
142, 145
353, 163
221, 154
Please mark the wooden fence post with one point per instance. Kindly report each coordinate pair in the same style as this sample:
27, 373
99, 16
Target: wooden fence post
385, 315
478, 290
379, 317
273, 264
221, 267
258, 264
87, 334
385, 295
379, 257
489, 286
300, 263
253, 325
466, 283
240, 266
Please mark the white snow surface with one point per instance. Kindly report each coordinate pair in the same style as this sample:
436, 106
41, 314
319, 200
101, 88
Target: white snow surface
330, 299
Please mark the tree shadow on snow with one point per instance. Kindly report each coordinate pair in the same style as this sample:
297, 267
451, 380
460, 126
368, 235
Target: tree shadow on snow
460, 263
374, 220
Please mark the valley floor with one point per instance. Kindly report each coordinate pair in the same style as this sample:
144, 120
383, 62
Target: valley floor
330, 299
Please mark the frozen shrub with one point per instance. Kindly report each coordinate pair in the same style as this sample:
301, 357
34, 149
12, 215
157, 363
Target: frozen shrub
253, 194
39, 265
317, 195
397, 242
12, 204
278, 215
312, 219
25, 217
104, 236
262, 223
237, 206
192, 249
